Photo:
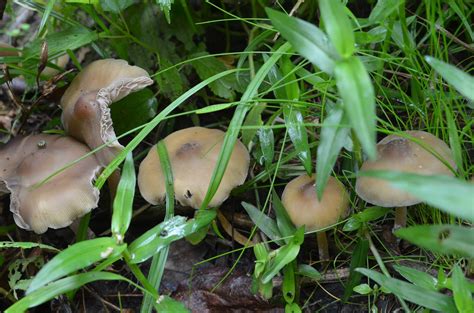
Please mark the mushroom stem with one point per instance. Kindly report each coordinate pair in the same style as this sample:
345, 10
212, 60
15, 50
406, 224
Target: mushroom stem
400, 218
322, 246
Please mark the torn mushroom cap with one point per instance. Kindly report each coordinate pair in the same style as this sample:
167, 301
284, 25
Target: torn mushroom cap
193, 154
58, 201
301, 202
401, 154
86, 115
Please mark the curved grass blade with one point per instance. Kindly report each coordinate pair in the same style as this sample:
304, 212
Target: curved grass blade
76, 257
416, 277
236, 122
306, 38
421, 296
166, 232
445, 239
354, 86
159, 260
123, 201
267, 225
25, 245
62, 286
459, 79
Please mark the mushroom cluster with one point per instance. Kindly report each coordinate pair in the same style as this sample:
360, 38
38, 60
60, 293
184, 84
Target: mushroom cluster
193, 155
50, 177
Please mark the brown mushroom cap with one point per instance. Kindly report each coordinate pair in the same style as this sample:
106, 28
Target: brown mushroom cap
86, 115
28, 161
301, 202
6, 50
397, 153
193, 154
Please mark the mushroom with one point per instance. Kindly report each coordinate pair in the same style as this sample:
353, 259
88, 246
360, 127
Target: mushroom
85, 103
86, 113
397, 153
38, 200
7, 51
301, 202
193, 154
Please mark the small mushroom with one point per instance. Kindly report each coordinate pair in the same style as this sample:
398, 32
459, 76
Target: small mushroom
193, 154
39, 201
86, 114
301, 202
396, 153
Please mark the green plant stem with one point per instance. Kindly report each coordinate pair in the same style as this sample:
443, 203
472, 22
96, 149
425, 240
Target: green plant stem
383, 268
139, 274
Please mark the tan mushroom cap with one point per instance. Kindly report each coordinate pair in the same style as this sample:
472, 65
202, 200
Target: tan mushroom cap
400, 154
60, 200
193, 154
85, 103
301, 202
6, 50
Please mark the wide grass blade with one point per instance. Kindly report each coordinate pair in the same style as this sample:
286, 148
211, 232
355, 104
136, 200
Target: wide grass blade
357, 92
123, 201
459, 79
25, 245
61, 286
445, 239
295, 124
338, 27
160, 236
461, 293
416, 277
333, 137
267, 225
306, 38
358, 259
76, 257
421, 296
449, 194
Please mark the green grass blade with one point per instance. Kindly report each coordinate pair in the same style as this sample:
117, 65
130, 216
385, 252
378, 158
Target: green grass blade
445, 239
295, 124
152, 124
267, 225
45, 17
25, 245
61, 286
333, 137
358, 259
338, 27
425, 297
158, 261
123, 201
461, 293
357, 92
452, 195
306, 38
75, 257
160, 236
236, 122
459, 79
416, 277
